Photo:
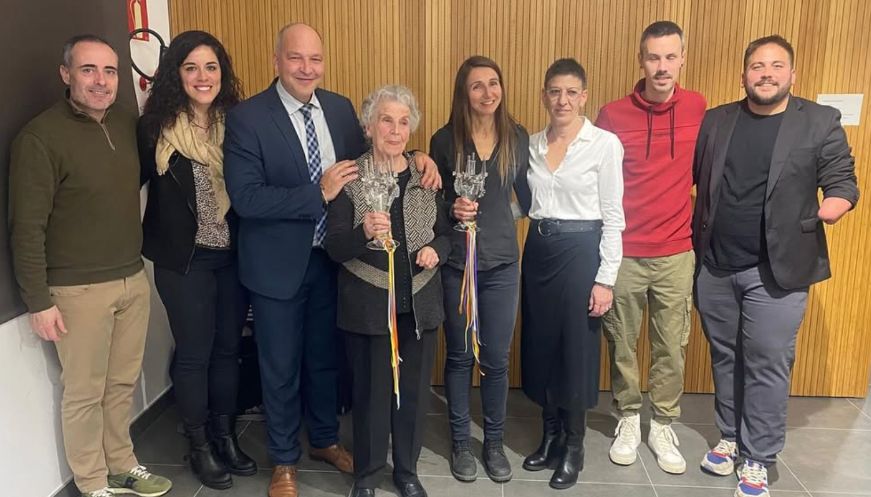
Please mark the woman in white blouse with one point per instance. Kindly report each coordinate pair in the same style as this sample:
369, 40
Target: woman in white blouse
570, 263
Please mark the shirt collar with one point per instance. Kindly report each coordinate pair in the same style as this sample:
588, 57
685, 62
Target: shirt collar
587, 133
290, 102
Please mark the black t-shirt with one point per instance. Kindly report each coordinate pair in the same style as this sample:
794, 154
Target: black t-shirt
738, 230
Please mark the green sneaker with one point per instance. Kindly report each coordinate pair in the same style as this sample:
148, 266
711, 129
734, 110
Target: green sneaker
139, 482
103, 492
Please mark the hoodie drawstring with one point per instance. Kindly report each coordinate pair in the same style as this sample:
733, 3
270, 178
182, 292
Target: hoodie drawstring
650, 129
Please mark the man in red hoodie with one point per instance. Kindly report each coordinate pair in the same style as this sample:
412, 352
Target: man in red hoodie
658, 124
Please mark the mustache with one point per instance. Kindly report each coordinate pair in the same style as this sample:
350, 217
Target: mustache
767, 81
660, 74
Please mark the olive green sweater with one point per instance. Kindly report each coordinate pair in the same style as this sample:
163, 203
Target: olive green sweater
73, 201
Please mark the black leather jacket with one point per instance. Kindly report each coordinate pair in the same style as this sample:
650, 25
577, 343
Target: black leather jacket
170, 224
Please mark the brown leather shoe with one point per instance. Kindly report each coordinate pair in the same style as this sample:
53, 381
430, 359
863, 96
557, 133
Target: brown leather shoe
336, 455
283, 482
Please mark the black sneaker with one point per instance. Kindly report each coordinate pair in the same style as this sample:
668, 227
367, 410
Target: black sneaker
463, 464
495, 463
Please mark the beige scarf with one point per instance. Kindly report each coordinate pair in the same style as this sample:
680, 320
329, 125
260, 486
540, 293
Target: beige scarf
181, 137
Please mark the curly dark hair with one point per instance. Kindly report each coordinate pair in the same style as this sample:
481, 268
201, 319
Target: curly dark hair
167, 98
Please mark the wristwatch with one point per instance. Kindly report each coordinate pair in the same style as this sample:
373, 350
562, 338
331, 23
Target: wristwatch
324, 196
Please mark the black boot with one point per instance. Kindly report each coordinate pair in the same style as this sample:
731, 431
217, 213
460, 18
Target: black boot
495, 463
210, 470
551, 448
463, 464
223, 431
572, 461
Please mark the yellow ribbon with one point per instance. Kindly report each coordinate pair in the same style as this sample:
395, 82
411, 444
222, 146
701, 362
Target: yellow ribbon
392, 324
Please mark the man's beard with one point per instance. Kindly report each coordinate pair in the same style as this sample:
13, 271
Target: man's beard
782, 93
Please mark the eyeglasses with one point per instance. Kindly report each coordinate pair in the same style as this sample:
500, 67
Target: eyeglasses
571, 93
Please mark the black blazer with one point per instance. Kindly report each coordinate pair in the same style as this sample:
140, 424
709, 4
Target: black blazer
811, 153
169, 227
271, 190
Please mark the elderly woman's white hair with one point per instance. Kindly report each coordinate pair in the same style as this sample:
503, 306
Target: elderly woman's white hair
389, 93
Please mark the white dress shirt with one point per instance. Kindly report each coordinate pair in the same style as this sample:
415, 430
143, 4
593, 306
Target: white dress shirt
587, 185
325, 141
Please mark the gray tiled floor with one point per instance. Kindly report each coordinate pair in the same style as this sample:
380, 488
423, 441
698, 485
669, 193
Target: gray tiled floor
826, 455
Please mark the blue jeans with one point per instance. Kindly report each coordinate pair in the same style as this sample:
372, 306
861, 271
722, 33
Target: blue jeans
497, 311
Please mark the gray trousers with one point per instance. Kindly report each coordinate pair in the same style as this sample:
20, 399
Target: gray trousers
751, 324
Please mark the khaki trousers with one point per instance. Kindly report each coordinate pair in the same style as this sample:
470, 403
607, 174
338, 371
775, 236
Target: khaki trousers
664, 285
101, 357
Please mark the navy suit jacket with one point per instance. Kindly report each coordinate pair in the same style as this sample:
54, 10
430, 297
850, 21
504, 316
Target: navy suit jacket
270, 188
810, 154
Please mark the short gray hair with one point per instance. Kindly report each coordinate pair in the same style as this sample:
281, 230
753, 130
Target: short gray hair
389, 93
75, 40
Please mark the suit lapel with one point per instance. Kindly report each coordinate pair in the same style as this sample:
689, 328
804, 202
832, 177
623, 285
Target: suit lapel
789, 132
279, 116
334, 123
721, 147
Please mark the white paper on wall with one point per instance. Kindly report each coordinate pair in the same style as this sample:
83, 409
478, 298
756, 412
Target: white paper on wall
850, 105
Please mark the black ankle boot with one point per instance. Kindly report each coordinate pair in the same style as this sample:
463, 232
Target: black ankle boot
463, 464
210, 470
223, 432
495, 463
551, 448
572, 461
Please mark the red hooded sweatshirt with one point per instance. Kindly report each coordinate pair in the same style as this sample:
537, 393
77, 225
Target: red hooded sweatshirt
659, 140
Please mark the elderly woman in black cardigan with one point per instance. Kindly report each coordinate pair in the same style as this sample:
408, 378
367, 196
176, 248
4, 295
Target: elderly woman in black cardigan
419, 224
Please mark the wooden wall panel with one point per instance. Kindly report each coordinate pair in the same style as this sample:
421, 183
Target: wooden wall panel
420, 43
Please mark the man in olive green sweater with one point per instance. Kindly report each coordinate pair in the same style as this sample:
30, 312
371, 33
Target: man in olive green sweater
76, 238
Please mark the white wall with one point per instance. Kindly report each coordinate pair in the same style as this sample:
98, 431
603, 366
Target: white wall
145, 53
32, 456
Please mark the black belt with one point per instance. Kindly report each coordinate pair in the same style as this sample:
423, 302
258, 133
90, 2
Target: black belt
547, 227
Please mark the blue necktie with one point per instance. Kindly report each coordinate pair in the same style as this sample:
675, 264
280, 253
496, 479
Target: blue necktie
314, 167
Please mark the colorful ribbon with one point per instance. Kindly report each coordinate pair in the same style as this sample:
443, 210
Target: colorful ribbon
469, 292
392, 326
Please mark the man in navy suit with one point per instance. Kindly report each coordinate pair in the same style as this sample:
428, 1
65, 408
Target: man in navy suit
759, 241
288, 152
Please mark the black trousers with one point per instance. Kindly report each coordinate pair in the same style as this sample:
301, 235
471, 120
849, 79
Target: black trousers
206, 310
376, 417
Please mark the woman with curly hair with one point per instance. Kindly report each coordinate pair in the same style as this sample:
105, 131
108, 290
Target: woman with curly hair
189, 235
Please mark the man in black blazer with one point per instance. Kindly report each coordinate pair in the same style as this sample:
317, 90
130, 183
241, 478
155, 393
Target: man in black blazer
289, 151
760, 244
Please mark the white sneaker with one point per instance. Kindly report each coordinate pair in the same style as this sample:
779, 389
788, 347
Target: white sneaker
721, 459
663, 442
628, 438
752, 480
